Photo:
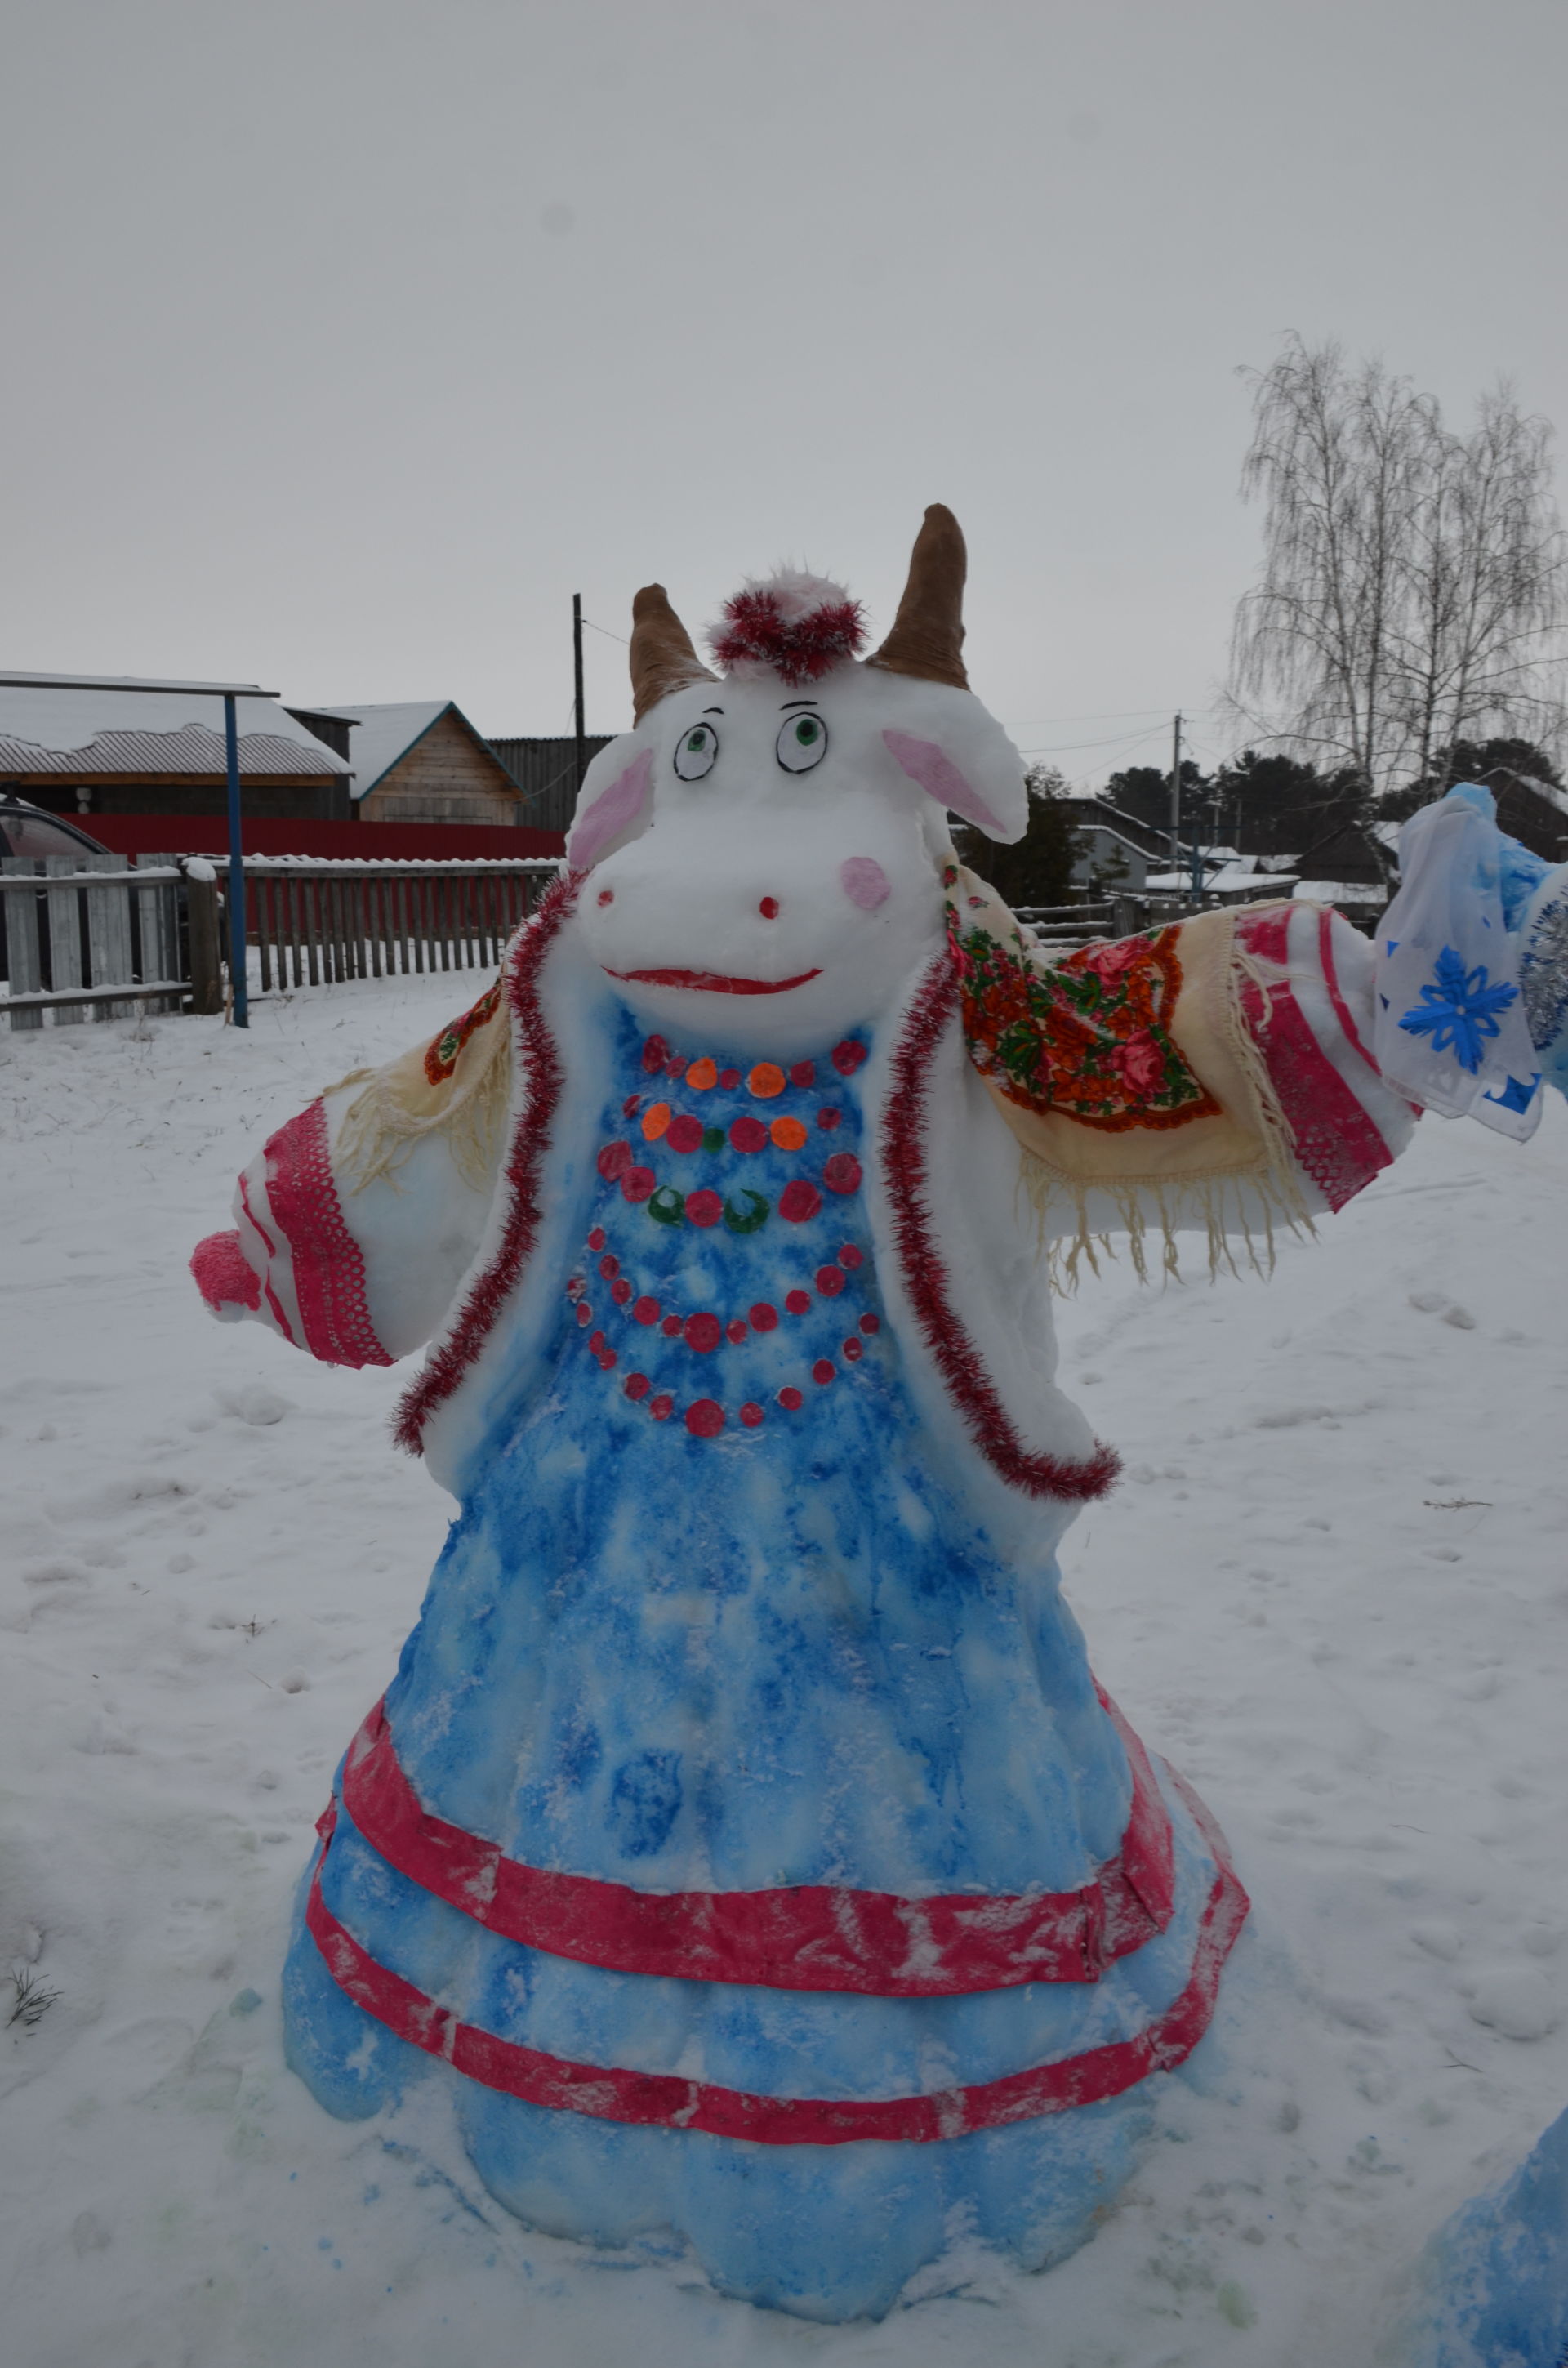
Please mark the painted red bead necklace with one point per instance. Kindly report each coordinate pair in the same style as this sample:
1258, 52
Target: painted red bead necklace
687, 1134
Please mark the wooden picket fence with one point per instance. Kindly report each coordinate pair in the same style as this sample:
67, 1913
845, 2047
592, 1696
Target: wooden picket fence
316, 923
89, 936
1081, 924
85, 938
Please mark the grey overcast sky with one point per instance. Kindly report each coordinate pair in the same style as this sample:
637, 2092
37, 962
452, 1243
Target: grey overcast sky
344, 339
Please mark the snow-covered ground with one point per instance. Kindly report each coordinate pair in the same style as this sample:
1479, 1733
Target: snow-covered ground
1333, 1589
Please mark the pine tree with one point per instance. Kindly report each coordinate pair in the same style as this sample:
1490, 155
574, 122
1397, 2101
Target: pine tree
1038, 867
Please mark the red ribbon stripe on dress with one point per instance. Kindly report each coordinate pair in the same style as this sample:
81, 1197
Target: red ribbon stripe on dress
800, 1937
615, 2093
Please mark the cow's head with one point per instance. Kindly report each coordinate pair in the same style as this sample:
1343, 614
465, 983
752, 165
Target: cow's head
764, 849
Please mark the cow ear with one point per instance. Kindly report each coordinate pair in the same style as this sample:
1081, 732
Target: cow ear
946, 742
614, 803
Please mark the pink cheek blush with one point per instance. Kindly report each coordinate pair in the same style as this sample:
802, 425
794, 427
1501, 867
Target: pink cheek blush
864, 881
610, 811
940, 778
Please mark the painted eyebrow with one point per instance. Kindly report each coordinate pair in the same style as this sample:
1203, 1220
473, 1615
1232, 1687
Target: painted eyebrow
795, 702
713, 710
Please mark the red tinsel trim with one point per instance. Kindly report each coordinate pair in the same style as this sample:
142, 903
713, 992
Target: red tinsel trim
799, 649
525, 1158
957, 1359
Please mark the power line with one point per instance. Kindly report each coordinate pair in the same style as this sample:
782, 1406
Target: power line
1110, 715
1126, 746
1066, 748
1078, 780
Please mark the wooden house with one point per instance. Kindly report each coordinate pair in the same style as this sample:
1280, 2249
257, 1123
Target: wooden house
1114, 848
1532, 811
76, 747
421, 760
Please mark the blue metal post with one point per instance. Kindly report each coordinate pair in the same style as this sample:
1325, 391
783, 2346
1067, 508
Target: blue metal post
237, 869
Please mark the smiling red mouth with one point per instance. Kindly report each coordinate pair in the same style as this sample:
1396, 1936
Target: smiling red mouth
713, 982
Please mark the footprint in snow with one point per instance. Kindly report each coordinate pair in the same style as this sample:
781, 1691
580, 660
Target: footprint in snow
1517, 2000
1435, 1303
255, 1404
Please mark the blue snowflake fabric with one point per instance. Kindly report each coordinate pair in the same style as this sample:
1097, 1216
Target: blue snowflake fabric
1450, 1027
1460, 1009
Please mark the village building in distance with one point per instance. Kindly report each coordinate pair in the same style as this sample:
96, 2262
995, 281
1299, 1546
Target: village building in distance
84, 750
76, 746
419, 760
1116, 852
1531, 810
546, 772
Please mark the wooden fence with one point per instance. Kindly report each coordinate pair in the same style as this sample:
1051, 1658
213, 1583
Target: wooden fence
88, 937
85, 938
316, 923
1080, 925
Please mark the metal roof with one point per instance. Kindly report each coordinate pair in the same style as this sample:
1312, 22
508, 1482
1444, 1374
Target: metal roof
94, 727
192, 750
26, 681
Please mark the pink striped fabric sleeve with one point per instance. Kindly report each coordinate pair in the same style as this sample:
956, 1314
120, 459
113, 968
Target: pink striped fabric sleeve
1348, 1125
326, 1268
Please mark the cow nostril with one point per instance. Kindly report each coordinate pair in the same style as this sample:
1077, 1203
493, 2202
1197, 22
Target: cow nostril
768, 908
607, 895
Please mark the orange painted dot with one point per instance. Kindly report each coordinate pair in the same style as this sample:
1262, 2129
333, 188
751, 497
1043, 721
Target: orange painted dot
703, 1076
788, 1133
766, 1080
655, 1120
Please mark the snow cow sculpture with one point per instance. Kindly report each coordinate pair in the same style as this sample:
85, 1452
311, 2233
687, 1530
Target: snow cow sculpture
744, 1834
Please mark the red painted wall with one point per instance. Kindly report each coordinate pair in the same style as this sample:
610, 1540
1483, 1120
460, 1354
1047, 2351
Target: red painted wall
404, 842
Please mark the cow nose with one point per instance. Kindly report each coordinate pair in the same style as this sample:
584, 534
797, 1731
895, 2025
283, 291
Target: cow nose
768, 908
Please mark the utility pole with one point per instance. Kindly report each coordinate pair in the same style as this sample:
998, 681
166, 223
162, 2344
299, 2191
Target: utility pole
238, 981
577, 679
1176, 795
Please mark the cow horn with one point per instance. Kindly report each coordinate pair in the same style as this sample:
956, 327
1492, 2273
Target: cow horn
926, 640
663, 658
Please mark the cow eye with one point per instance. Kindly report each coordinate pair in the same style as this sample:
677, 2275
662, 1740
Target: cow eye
802, 743
697, 751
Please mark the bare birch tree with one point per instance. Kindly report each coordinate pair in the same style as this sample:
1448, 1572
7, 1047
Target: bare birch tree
1486, 589
1413, 584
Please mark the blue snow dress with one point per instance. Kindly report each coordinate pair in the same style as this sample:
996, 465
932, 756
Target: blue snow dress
1493, 2281
710, 1619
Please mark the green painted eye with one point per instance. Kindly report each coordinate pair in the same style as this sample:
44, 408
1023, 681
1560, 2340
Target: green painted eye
696, 752
802, 743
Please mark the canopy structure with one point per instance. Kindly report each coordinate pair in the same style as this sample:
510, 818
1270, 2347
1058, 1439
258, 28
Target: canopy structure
228, 692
